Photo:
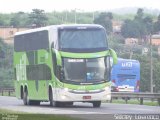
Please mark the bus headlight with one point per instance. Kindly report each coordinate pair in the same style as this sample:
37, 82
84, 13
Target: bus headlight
66, 89
107, 89
63, 97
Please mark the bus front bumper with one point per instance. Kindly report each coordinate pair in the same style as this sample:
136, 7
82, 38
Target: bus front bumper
75, 95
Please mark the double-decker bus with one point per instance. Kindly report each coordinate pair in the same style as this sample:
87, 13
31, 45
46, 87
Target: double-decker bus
63, 64
125, 75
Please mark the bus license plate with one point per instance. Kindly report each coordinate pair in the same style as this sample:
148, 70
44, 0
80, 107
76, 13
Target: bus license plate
86, 97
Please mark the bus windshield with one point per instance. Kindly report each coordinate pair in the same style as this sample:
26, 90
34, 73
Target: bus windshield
85, 70
82, 40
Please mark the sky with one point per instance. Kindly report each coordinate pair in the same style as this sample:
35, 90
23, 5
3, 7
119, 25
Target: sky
10, 6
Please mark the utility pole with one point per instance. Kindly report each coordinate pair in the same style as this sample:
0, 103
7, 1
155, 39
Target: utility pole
131, 49
66, 18
75, 16
151, 64
93, 16
131, 53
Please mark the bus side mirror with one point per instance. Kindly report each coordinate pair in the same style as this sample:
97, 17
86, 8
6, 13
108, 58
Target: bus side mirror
114, 56
57, 56
111, 60
108, 64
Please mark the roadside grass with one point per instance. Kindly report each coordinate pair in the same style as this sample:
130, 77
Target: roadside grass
135, 101
13, 115
2, 111
43, 117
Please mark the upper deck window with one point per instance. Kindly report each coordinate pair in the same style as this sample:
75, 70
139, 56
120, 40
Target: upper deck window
82, 40
31, 41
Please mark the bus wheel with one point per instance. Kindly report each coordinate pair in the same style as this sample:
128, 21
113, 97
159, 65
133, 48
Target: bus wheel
52, 102
96, 104
25, 98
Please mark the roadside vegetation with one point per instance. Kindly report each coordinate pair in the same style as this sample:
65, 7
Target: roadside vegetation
136, 101
6, 65
13, 115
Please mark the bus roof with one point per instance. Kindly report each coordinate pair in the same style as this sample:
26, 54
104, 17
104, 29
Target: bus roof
128, 60
80, 26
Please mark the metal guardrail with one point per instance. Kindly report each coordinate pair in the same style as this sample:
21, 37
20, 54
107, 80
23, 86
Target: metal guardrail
124, 95
9, 91
139, 95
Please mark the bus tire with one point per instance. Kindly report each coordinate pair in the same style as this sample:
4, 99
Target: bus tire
52, 102
25, 98
96, 104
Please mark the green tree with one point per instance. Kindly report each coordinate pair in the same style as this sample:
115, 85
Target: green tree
145, 24
105, 19
2, 51
6, 68
144, 72
15, 22
148, 24
130, 28
38, 18
139, 15
156, 27
139, 27
19, 19
1, 21
156, 75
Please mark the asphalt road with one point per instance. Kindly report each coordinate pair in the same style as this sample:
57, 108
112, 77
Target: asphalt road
12, 103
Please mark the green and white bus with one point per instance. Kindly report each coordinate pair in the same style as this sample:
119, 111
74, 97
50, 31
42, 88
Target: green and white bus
63, 64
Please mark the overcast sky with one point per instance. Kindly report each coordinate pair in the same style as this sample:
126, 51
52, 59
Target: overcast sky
8, 6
